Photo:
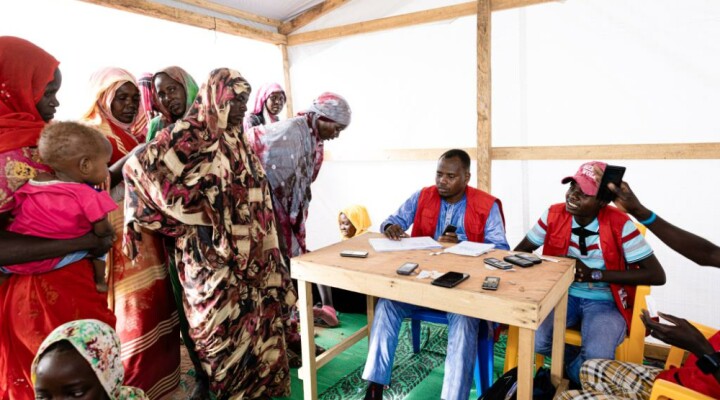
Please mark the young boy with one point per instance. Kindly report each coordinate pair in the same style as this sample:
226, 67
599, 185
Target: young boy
612, 257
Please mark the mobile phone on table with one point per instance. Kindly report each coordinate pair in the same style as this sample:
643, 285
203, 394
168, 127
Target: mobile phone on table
530, 257
614, 174
450, 229
354, 253
491, 283
407, 268
500, 264
520, 262
450, 279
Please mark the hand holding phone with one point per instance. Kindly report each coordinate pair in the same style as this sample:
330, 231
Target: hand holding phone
407, 268
614, 174
450, 279
491, 283
449, 235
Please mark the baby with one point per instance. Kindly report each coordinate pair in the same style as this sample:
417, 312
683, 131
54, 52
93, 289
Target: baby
64, 205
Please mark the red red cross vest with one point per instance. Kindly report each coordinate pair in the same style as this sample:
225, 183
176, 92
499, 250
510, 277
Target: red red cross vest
612, 221
477, 210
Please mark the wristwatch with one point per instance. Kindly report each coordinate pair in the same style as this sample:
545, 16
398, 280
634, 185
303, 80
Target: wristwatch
596, 275
709, 363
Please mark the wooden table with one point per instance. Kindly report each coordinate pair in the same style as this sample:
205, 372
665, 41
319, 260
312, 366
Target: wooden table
525, 297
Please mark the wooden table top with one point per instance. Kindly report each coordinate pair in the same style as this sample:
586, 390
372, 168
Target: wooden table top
524, 298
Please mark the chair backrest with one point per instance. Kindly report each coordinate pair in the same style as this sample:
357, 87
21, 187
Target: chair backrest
677, 355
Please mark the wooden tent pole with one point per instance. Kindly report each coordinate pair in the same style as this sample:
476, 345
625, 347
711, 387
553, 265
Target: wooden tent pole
288, 87
484, 133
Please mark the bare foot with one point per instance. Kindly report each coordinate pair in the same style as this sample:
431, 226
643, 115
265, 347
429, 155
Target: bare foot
101, 287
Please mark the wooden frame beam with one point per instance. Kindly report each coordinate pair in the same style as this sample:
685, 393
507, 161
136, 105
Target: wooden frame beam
310, 15
416, 18
665, 151
484, 96
209, 5
156, 10
288, 84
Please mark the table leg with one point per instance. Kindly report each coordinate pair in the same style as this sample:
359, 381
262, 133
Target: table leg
526, 356
370, 313
558, 348
308, 372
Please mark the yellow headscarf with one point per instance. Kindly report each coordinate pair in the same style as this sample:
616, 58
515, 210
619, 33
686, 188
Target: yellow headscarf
359, 217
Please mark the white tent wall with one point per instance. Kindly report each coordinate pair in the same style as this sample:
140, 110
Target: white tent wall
579, 72
86, 37
576, 72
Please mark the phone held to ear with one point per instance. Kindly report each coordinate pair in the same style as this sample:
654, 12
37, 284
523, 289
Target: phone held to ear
491, 283
450, 279
354, 253
614, 174
407, 268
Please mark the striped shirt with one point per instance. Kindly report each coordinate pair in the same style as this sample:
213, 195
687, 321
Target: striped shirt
635, 249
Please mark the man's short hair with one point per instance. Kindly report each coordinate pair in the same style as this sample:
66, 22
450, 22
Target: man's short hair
461, 154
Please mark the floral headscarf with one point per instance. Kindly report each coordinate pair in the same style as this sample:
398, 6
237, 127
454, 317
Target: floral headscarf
25, 71
99, 345
331, 106
359, 217
103, 85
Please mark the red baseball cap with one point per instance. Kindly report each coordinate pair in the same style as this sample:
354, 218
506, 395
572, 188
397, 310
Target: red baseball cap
585, 177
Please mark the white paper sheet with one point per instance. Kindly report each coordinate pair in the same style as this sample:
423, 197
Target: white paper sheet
412, 243
468, 248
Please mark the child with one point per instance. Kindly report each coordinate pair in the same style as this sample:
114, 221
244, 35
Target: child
604, 242
353, 221
64, 205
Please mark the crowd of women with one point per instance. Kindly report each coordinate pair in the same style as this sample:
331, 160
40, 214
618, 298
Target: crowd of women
166, 211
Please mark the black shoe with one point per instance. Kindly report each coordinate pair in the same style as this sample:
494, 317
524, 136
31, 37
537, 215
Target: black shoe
374, 391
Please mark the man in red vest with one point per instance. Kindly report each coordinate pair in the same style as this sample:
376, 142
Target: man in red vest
701, 370
476, 216
612, 257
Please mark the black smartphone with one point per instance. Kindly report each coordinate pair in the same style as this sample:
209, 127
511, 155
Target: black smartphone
491, 283
354, 253
520, 262
530, 257
614, 174
407, 268
500, 264
450, 279
450, 229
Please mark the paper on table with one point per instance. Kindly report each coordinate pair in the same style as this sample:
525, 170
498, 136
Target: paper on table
468, 248
412, 243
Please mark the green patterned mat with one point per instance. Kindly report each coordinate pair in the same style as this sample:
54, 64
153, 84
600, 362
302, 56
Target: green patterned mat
408, 371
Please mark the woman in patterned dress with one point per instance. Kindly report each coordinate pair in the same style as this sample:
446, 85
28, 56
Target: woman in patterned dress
200, 183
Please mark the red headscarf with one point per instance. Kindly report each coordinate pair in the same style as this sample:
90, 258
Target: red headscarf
25, 71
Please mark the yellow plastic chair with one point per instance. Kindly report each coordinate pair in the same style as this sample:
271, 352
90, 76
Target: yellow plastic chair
663, 389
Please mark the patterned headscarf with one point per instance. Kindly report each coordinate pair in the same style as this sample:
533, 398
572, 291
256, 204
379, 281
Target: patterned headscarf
103, 85
359, 217
145, 85
331, 106
25, 71
99, 345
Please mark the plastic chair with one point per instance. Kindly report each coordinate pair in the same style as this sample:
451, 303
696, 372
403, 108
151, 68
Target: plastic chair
663, 389
483, 373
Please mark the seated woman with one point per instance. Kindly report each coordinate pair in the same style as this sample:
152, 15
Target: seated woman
353, 221
140, 292
172, 92
31, 306
269, 101
81, 359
